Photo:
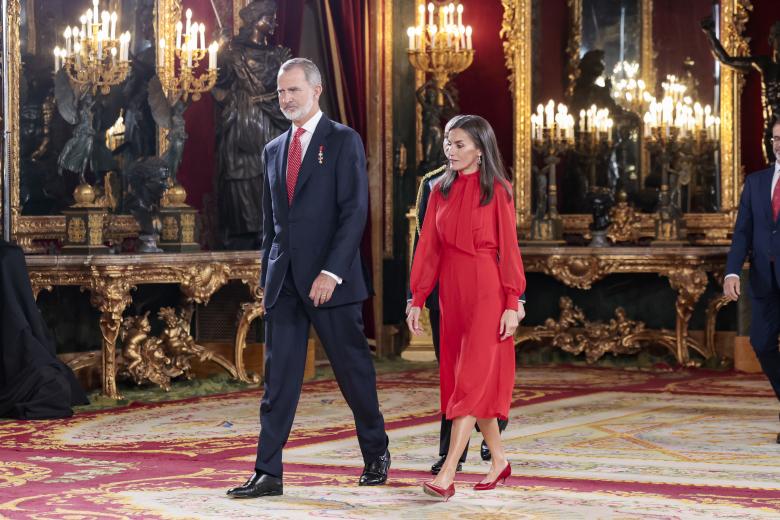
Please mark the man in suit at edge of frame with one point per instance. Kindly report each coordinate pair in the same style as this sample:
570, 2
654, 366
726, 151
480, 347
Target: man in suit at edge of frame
757, 237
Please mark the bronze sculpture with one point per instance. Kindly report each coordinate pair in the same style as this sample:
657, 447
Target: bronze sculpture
250, 117
768, 66
146, 180
169, 113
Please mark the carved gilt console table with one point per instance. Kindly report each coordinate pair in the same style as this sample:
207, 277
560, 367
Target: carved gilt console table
686, 269
110, 280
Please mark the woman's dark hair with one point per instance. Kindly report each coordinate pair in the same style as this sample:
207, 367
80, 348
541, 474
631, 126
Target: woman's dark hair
492, 167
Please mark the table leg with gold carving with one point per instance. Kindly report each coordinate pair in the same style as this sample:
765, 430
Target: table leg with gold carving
198, 284
249, 313
110, 294
690, 283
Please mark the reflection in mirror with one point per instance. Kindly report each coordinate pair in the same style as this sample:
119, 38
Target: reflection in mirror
46, 189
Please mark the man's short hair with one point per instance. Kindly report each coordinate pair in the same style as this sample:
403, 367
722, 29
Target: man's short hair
310, 70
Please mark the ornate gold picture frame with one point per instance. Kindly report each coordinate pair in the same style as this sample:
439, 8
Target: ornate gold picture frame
25, 230
516, 33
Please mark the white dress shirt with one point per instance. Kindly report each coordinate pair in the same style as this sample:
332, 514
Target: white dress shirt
775, 178
309, 127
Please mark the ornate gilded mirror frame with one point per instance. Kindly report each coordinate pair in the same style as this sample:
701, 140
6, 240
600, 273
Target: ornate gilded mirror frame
24, 230
516, 31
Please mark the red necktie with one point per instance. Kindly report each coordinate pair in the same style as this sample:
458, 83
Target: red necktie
776, 201
294, 159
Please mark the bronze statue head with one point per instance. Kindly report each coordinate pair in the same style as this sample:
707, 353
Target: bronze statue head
260, 15
592, 64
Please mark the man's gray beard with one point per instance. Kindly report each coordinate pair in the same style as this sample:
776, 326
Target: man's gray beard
297, 114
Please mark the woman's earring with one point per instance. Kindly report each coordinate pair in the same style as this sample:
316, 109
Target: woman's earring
479, 160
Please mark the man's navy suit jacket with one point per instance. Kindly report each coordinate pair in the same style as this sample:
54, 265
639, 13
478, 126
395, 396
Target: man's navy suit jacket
756, 234
323, 227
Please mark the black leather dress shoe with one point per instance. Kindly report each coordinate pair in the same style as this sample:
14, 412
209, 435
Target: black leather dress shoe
436, 468
258, 486
375, 472
484, 451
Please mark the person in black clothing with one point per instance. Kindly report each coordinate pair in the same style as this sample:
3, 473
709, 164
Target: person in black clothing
34, 384
432, 304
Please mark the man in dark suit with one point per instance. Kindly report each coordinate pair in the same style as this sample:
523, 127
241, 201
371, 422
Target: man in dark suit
427, 184
757, 236
315, 204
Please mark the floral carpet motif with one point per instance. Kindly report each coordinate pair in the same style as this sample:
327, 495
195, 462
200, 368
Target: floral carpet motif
584, 443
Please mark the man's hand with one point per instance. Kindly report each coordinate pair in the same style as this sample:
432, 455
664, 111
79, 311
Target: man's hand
413, 321
509, 323
731, 288
322, 289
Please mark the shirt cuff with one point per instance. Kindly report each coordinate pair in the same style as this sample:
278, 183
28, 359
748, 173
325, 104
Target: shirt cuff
337, 278
730, 275
512, 302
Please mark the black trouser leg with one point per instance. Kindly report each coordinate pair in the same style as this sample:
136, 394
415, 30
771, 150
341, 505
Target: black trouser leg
286, 337
446, 425
341, 331
764, 330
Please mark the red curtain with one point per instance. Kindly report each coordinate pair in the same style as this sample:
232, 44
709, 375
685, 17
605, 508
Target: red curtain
344, 25
288, 24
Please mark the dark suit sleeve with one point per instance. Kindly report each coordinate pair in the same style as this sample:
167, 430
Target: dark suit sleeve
742, 239
269, 232
423, 195
352, 202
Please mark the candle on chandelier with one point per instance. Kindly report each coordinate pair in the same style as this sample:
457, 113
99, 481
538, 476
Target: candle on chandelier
178, 34
430, 14
410, 34
213, 48
104, 24
100, 46
189, 20
460, 15
68, 42
468, 38
113, 56
77, 52
113, 25
88, 19
202, 32
95, 11
83, 21
421, 11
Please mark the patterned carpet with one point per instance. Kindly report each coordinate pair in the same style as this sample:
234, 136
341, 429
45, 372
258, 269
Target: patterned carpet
584, 442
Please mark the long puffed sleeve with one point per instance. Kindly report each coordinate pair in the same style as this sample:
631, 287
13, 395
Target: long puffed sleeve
425, 266
510, 264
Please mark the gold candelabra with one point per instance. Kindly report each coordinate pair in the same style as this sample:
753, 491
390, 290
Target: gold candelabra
552, 134
443, 48
93, 56
594, 139
180, 60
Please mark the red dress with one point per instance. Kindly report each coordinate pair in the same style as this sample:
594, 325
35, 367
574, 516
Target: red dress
472, 252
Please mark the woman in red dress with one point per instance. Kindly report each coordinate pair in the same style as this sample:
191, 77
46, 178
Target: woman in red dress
469, 246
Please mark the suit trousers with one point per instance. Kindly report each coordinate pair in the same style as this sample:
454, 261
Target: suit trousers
286, 335
764, 332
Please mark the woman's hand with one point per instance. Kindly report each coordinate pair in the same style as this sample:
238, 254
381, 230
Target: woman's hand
509, 323
413, 321
520, 312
